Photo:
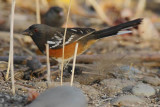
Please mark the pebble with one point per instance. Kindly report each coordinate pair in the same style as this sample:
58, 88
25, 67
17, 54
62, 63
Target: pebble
90, 91
114, 86
61, 96
2, 101
131, 71
128, 100
143, 90
126, 68
7, 100
152, 80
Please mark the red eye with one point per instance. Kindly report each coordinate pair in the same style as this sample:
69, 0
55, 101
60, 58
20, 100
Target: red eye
35, 30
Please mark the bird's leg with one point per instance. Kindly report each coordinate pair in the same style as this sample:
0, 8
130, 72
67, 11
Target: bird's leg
65, 64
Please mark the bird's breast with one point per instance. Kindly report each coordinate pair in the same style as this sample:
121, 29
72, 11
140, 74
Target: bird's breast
69, 50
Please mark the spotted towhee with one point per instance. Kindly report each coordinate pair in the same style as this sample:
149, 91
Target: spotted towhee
54, 17
43, 34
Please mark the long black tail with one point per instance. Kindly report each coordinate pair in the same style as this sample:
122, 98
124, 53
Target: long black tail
116, 30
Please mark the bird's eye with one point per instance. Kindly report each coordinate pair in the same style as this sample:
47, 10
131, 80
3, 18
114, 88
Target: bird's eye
35, 30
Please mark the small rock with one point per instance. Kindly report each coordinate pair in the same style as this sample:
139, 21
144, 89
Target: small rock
128, 68
90, 91
1, 100
152, 80
1, 105
128, 100
130, 71
114, 86
8, 97
143, 90
62, 96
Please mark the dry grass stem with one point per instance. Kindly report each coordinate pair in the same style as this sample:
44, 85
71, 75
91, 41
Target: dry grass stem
11, 47
9, 64
48, 64
38, 12
127, 3
74, 62
140, 8
100, 12
130, 67
62, 63
47, 46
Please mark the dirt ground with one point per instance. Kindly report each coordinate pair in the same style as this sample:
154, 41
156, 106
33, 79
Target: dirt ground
116, 71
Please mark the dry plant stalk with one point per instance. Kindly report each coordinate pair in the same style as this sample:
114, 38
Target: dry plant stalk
140, 8
100, 12
11, 54
38, 12
47, 46
127, 3
131, 65
64, 37
48, 64
74, 62
9, 64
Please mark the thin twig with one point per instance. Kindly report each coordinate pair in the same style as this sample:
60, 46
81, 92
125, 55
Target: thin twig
64, 37
130, 67
140, 8
47, 46
127, 3
74, 62
9, 64
11, 46
38, 12
48, 64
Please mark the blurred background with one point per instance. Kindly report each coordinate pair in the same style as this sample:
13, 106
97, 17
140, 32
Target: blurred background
112, 67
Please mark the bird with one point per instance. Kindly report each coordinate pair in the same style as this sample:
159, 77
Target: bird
54, 17
85, 37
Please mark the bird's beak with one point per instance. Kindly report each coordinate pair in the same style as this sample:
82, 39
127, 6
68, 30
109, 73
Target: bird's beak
27, 32
61, 13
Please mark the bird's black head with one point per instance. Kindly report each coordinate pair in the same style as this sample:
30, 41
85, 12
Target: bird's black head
54, 17
36, 30
57, 10
39, 33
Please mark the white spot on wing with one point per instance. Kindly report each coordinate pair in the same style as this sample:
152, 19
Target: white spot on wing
71, 37
50, 42
123, 32
74, 30
57, 43
59, 38
81, 31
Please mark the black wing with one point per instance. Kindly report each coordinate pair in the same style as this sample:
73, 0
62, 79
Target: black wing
56, 41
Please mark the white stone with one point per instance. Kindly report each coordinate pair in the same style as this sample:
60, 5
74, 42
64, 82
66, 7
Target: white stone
143, 90
128, 100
